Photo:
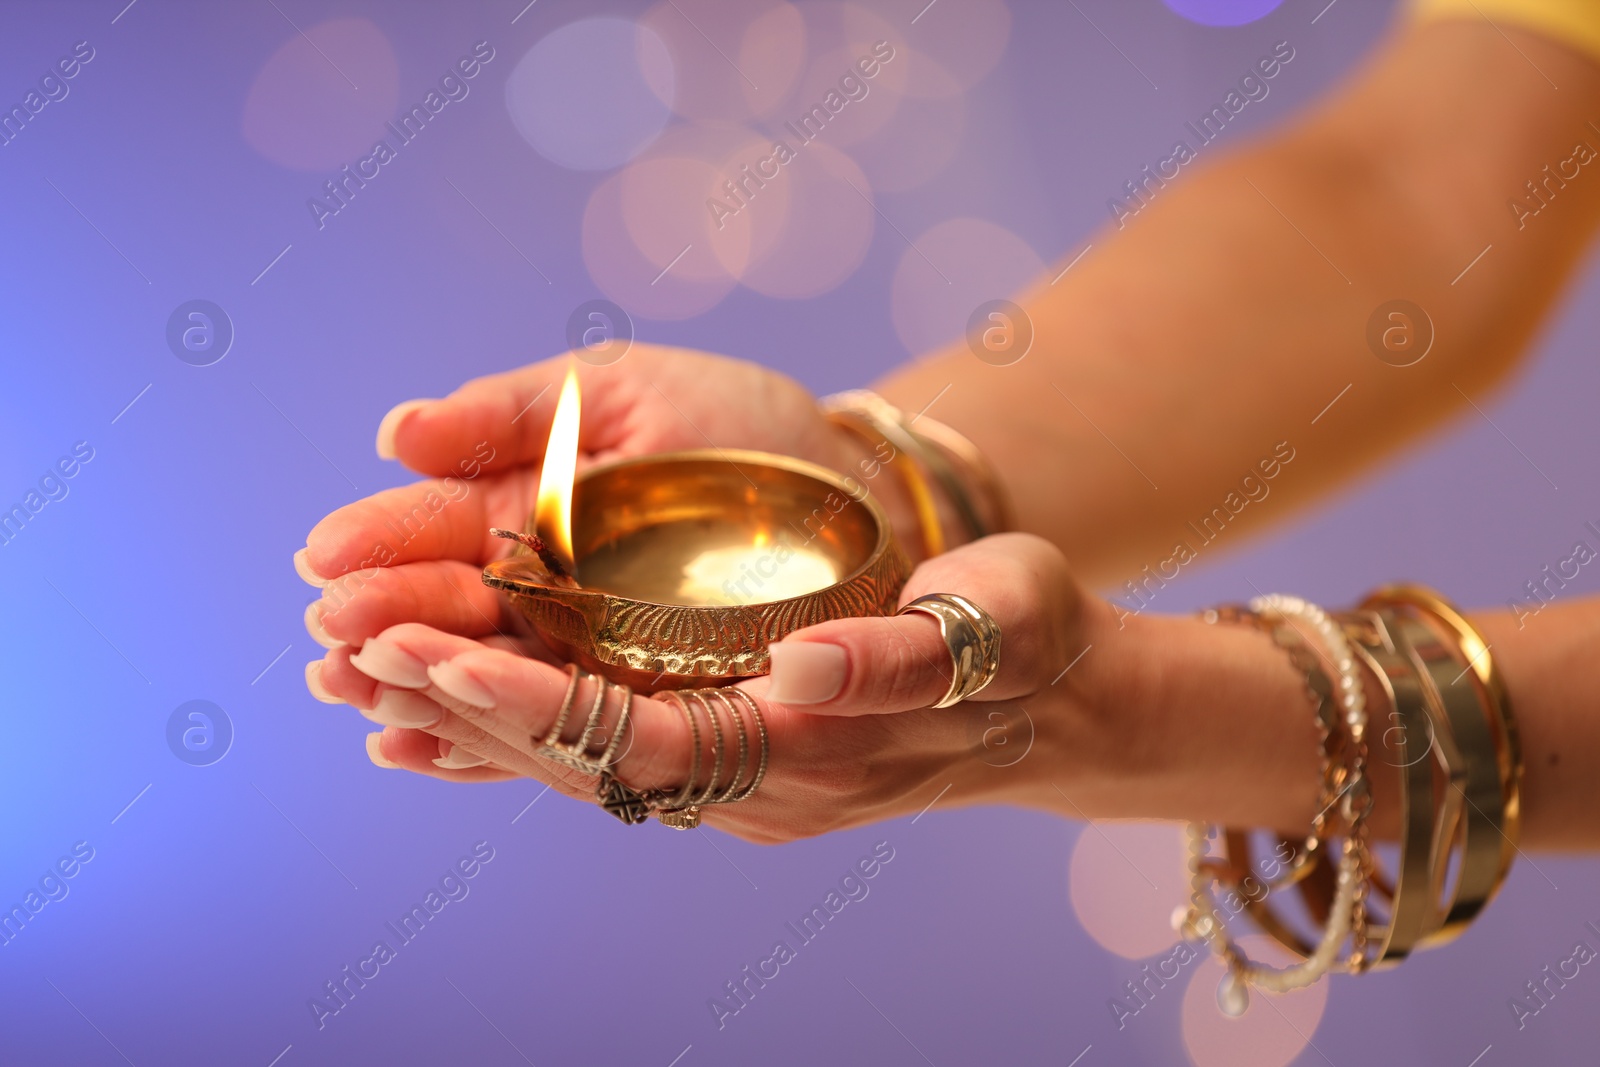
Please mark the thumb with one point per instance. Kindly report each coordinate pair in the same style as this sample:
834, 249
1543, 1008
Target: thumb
873, 666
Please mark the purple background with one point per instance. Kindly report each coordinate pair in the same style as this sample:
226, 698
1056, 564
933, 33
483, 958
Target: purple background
221, 900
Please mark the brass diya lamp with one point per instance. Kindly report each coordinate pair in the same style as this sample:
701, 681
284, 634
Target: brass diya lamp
678, 570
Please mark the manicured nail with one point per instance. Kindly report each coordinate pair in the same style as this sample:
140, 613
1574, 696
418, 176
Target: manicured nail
375, 752
459, 759
315, 684
319, 633
302, 567
387, 662
391, 425
806, 672
402, 707
460, 683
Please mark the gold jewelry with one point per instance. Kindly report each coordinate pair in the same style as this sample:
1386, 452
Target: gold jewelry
1347, 770
1001, 514
971, 635
1476, 777
1425, 823
1236, 863
866, 420
1473, 648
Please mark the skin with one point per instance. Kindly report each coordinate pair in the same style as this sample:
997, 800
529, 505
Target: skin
1394, 183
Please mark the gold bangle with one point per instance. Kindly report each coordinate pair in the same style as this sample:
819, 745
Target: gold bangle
1475, 778
939, 450
1425, 824
842, 410
1474, 649
1001, 513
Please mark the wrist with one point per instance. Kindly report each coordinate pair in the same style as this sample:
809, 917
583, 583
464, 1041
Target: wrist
1183, 720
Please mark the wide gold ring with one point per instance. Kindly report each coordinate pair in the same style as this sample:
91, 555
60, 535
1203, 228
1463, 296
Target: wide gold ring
973, 638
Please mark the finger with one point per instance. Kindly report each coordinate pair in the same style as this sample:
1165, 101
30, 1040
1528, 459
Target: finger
446, 594
333, 680
516, 700
876, 665
438, 716
503, 420
413, 750
444, 519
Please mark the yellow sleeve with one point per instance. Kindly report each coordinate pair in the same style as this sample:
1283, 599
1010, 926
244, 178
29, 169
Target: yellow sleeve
1573, 22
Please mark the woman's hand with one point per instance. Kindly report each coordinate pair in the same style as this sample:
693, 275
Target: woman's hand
852, 737
414, 554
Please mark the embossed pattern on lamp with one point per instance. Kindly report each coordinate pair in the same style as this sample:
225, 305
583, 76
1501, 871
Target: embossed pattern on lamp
691, 563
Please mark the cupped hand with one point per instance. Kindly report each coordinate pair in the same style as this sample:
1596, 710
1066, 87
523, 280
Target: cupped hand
414, 554
853, 736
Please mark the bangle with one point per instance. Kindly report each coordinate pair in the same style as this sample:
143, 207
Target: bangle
1459, 801
1471, 647
1424, 821
999, 514
1479, 787
856, 413
938, 450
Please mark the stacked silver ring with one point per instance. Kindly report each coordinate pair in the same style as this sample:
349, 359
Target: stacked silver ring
679, 809
575, 754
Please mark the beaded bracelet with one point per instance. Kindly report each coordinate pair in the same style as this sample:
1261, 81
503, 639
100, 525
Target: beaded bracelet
1344, 773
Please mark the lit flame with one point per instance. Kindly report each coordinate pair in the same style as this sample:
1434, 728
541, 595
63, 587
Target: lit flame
552, 514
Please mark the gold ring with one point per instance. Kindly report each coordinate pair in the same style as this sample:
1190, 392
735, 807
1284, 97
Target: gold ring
973, 638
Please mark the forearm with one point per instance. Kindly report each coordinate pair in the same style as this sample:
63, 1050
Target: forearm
1554, 683
1220, 324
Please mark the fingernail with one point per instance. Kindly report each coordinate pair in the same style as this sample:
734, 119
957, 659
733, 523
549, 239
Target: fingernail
319, 633
806, 672
315, 684
375, 752
402, 707
460, 683
458, 759
391, 425
387, 662
302, 567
